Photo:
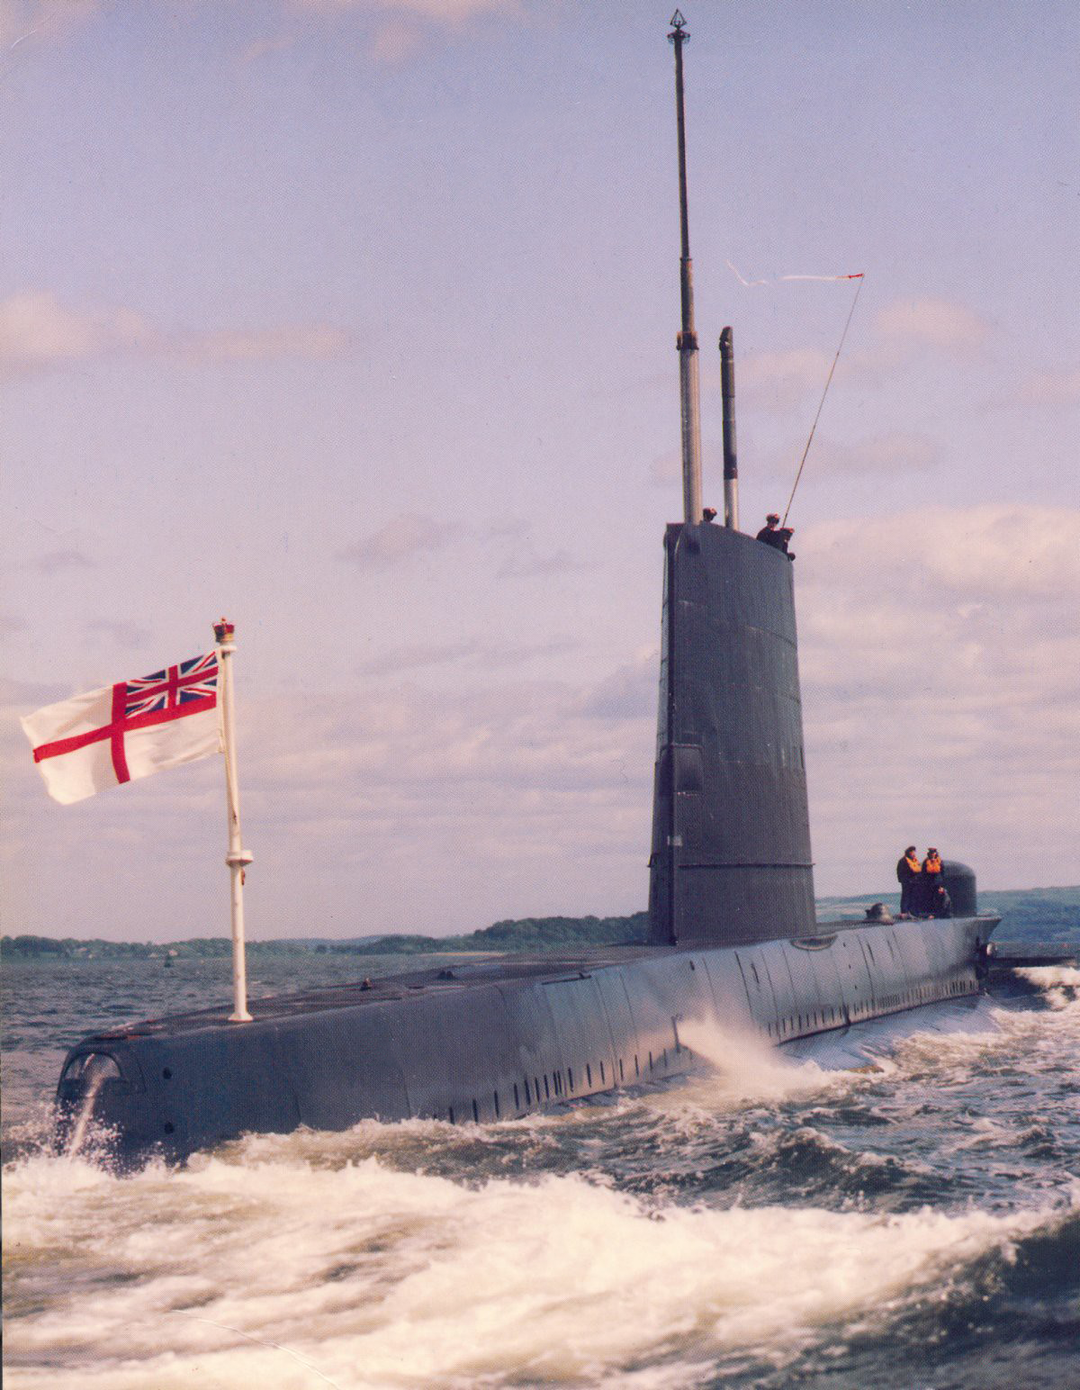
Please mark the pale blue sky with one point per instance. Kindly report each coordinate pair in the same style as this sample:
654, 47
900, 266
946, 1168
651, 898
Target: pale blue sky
355, 321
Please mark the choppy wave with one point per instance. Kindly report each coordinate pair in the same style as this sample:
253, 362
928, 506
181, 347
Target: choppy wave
378, 1277
766, 1225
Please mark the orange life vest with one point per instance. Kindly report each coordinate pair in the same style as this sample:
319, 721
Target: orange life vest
912, 863
932, 866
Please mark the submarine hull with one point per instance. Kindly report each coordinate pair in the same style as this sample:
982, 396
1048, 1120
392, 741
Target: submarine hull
494, 1040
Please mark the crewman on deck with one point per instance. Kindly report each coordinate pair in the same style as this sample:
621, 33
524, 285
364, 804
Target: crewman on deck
909, 874
931, 882
772, 533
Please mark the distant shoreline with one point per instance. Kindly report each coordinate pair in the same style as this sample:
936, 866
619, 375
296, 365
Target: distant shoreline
1031, 914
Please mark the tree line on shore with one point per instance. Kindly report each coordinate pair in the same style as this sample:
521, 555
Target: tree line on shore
1041, 914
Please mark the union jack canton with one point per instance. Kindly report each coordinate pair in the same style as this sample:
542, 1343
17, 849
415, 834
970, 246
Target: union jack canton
173, 687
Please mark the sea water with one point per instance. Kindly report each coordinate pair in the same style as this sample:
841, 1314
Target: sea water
771, 1224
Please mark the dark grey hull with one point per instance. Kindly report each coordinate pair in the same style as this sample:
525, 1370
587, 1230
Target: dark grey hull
497, 1039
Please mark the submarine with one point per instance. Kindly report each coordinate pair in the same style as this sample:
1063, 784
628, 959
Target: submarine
733, 943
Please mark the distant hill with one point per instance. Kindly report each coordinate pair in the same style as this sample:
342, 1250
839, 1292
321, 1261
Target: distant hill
1027, 914
526, 934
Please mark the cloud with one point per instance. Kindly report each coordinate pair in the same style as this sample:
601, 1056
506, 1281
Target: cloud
437, 11
468, 655
992, 551
461, 754
666, 469
782, 379
310, 341
895, 454
939, 323
630, 692
411, 534
56, 561
401, 538
122, 634
940, 656
940, 660
525, 566
37, 332
43, 21
1051, 388
507, 527
263, 48
395, 40
399, 27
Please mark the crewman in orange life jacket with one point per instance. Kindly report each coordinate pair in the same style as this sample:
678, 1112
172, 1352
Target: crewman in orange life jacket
931, 881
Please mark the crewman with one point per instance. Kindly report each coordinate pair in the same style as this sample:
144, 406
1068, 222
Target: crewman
909, 874
708, 513
772, 533
931, 882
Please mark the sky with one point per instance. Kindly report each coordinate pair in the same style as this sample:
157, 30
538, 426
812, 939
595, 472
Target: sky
354, 321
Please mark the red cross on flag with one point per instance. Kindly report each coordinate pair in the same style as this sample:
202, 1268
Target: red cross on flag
128, 730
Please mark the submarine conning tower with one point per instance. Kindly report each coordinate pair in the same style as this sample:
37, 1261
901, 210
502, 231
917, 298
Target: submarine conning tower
730, 856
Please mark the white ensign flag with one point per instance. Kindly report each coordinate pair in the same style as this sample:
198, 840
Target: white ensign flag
128, 730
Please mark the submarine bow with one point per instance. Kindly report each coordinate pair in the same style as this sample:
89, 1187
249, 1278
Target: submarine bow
730, 860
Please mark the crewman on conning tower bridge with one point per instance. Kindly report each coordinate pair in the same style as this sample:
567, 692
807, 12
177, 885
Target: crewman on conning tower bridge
772, 533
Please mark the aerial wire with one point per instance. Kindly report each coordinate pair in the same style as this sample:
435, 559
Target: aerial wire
858, 290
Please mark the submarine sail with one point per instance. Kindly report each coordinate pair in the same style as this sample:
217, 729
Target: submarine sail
730, 858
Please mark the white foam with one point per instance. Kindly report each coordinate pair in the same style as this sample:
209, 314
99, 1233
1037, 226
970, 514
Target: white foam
1060, 983
748, 1069
282, 1274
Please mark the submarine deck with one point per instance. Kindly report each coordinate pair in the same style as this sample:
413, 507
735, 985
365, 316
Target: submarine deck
500, 968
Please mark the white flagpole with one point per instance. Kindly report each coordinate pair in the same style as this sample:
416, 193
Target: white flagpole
237, 858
